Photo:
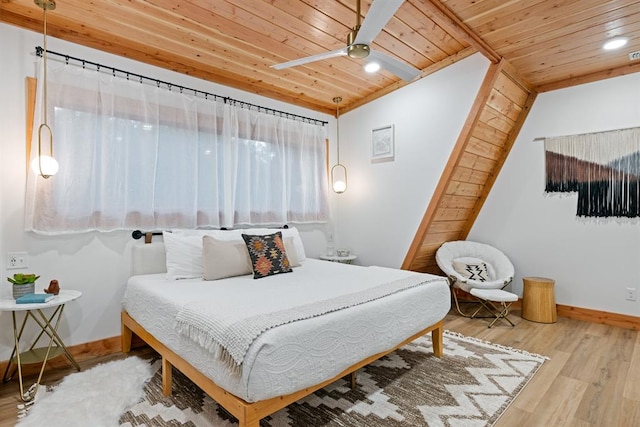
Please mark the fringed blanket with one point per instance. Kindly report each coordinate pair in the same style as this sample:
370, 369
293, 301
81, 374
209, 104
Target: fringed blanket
229, 334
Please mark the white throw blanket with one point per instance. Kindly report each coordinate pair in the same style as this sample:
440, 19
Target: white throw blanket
229, 331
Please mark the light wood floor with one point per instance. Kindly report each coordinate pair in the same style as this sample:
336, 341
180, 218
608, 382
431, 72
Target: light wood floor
591, 379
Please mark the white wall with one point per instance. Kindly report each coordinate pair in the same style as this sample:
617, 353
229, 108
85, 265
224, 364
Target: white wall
591, 262
379, 214
98, 264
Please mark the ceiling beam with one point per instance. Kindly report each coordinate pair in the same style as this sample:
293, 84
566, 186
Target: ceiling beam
444, 17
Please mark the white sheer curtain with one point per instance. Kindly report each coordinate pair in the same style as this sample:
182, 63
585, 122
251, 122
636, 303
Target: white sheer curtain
135, 155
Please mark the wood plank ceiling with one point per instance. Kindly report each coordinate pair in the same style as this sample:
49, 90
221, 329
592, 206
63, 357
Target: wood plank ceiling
533, 45
551, 43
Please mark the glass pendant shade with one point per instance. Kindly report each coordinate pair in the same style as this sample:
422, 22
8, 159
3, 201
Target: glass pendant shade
339, 178
45, 166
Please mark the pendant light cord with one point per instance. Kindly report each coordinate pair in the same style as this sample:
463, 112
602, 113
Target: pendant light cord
44, 61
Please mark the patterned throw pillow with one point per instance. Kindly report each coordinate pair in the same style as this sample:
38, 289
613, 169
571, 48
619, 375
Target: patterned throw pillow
267, 253
472, 271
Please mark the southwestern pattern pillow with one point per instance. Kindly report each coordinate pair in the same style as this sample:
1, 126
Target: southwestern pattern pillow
472, 271
268, 255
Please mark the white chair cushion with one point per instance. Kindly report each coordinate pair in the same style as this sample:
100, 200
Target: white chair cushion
496, 295
500, 268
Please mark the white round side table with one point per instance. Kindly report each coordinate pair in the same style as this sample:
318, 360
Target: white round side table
48, 326
335, 258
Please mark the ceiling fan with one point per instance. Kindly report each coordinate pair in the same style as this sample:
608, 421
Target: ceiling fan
359, 39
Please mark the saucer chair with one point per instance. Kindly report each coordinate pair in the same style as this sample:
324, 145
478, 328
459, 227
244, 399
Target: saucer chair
477, 269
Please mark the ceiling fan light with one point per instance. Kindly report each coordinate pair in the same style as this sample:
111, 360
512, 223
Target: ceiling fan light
615, 43
358, 51
372, 67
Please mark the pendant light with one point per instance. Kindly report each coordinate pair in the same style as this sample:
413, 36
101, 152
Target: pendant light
338, 171
45, 165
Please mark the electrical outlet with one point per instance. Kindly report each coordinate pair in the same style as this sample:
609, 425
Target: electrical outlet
16, 260
631, 294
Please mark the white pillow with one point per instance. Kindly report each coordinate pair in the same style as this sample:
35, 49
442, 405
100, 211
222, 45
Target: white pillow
229, 258
236, 234
184, 255
286, 232
224, 258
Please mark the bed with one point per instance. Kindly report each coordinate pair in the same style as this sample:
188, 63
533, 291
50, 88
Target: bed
291, 359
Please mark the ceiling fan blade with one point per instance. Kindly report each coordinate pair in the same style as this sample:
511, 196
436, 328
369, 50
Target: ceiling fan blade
313, 58
377, 17
399, 68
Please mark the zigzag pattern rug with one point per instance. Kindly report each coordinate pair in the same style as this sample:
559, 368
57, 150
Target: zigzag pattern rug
471, 386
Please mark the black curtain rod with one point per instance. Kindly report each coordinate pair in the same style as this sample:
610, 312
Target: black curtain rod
170, 86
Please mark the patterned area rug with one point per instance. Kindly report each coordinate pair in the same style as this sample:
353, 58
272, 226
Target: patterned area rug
471, 385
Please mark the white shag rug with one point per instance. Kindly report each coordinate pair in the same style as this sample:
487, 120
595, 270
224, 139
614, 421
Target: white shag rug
96, 397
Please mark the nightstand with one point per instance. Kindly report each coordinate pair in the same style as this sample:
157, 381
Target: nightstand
335, 258
48, 326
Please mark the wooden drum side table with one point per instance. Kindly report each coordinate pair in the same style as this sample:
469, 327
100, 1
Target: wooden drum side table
48, 326
538, 300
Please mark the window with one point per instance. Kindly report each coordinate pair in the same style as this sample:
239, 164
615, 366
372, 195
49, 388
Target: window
138, 156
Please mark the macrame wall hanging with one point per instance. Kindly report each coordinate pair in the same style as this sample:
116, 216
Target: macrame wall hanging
602, 168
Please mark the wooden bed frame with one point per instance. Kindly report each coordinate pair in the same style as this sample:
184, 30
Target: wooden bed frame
248, 413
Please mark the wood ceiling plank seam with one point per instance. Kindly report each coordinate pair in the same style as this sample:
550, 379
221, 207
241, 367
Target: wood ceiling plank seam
466, 9
178, 65
563, 23
436, 11
401, 83
518, 16
484, 164
488, 134
431, 31
182, 44
455, 158
580, 57
589, 78
571, 63
511, 90
447, 25
455, 201
392, 41
484, 149
504, 105
218, 77
464, 189
500, 162
244, 14
233, 30
442, 237
496, 119
570, 69
563, 31
446, 226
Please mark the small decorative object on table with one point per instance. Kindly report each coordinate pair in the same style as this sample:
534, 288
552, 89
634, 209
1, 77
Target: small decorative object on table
23, 283
54, 288
343, 252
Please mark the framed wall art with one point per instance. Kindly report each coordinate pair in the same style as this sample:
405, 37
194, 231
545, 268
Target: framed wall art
382, 144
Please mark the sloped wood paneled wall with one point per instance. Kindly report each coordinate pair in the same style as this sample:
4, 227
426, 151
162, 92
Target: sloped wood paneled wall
495, 120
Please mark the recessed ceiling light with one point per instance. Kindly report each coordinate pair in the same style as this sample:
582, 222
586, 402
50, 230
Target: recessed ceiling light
615, 43
372, 67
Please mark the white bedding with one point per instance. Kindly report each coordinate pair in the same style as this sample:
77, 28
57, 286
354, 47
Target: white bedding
293, 356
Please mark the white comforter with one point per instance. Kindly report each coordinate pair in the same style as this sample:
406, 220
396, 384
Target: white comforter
300, 354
